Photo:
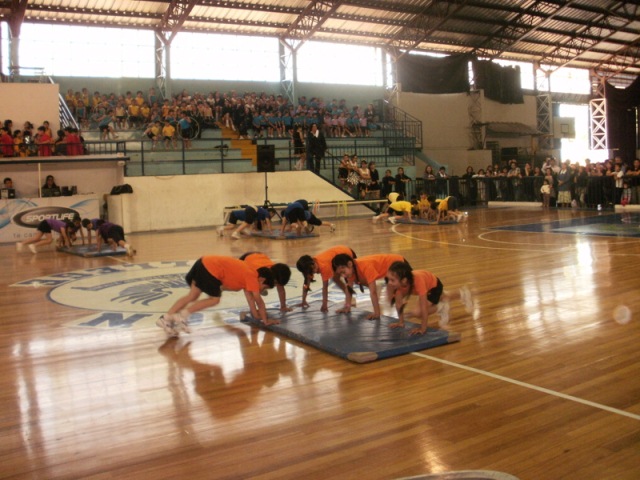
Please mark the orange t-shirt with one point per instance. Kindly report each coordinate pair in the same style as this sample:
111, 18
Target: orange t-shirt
325, 258
373, 267
258, 260
234, 274
423, 281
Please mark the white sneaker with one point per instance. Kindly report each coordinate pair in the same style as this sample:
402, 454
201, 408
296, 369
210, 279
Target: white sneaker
130, 251
33, 248
443, 311
375, 218
182, 322
466, 299
220, 231
167, 324
392, 220
332, 228
19, 247
236, 235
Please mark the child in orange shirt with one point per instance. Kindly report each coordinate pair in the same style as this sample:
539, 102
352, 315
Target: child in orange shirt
321, 264
280, 271
365, 271
210, 274
404, 282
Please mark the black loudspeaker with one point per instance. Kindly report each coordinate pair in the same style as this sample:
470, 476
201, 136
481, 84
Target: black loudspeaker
266, 158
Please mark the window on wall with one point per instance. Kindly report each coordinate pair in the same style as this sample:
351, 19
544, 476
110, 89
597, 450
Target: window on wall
87, 51
320, 62
570, 80
203, 56
577, 149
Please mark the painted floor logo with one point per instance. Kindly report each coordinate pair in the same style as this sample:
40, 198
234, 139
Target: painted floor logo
133, 296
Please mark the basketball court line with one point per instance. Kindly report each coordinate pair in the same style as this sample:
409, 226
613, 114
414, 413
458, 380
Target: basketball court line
466, 245
486, 247
530, 386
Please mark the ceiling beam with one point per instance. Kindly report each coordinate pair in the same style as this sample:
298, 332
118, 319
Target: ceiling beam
310, 20
174, 17
16, 16
526, 22
421, 26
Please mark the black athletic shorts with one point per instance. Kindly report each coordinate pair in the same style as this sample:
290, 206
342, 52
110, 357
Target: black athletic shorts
250, 215
297, 214
435, 293
116, 233
44, 227
313, 220
204, 280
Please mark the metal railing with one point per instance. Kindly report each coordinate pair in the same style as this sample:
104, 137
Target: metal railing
400, 130
32, 149
217, 155
590, 193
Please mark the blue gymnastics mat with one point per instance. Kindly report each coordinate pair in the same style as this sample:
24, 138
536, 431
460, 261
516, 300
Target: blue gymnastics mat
351, 336
287, 235
90, 251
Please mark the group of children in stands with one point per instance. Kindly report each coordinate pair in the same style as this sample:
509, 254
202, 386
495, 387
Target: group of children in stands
266, 115
28, 141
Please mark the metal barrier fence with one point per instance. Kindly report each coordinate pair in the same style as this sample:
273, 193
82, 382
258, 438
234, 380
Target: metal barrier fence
591, 192
217, 155
32, 149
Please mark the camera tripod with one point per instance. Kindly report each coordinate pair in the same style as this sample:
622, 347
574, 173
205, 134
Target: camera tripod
267, 204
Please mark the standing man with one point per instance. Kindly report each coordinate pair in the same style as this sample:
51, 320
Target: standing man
316, 146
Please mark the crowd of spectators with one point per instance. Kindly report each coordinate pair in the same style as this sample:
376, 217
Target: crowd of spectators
39, 142
362, 180
262, 114
607, 183
165, 121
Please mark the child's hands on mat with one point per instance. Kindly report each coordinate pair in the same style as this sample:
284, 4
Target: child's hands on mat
396, 325
373, 316
418, 331
345, 309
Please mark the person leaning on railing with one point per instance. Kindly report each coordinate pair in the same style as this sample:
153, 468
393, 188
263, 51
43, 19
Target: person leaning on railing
634, 181
6, 142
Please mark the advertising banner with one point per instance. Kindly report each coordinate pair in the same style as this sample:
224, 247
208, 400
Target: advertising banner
20, 217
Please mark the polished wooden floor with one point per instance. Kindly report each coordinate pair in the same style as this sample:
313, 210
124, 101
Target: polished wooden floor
544, 384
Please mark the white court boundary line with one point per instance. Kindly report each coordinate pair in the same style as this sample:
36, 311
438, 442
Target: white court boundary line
569, 248
530, 386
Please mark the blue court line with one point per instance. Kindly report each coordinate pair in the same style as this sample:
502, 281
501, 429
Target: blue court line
614, 225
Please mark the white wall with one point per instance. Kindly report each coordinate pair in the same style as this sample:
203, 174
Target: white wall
446, 126
96, 177
33, 102
191, 201
493, 111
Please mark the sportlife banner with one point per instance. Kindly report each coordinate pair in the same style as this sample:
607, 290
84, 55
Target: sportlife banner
19, 218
